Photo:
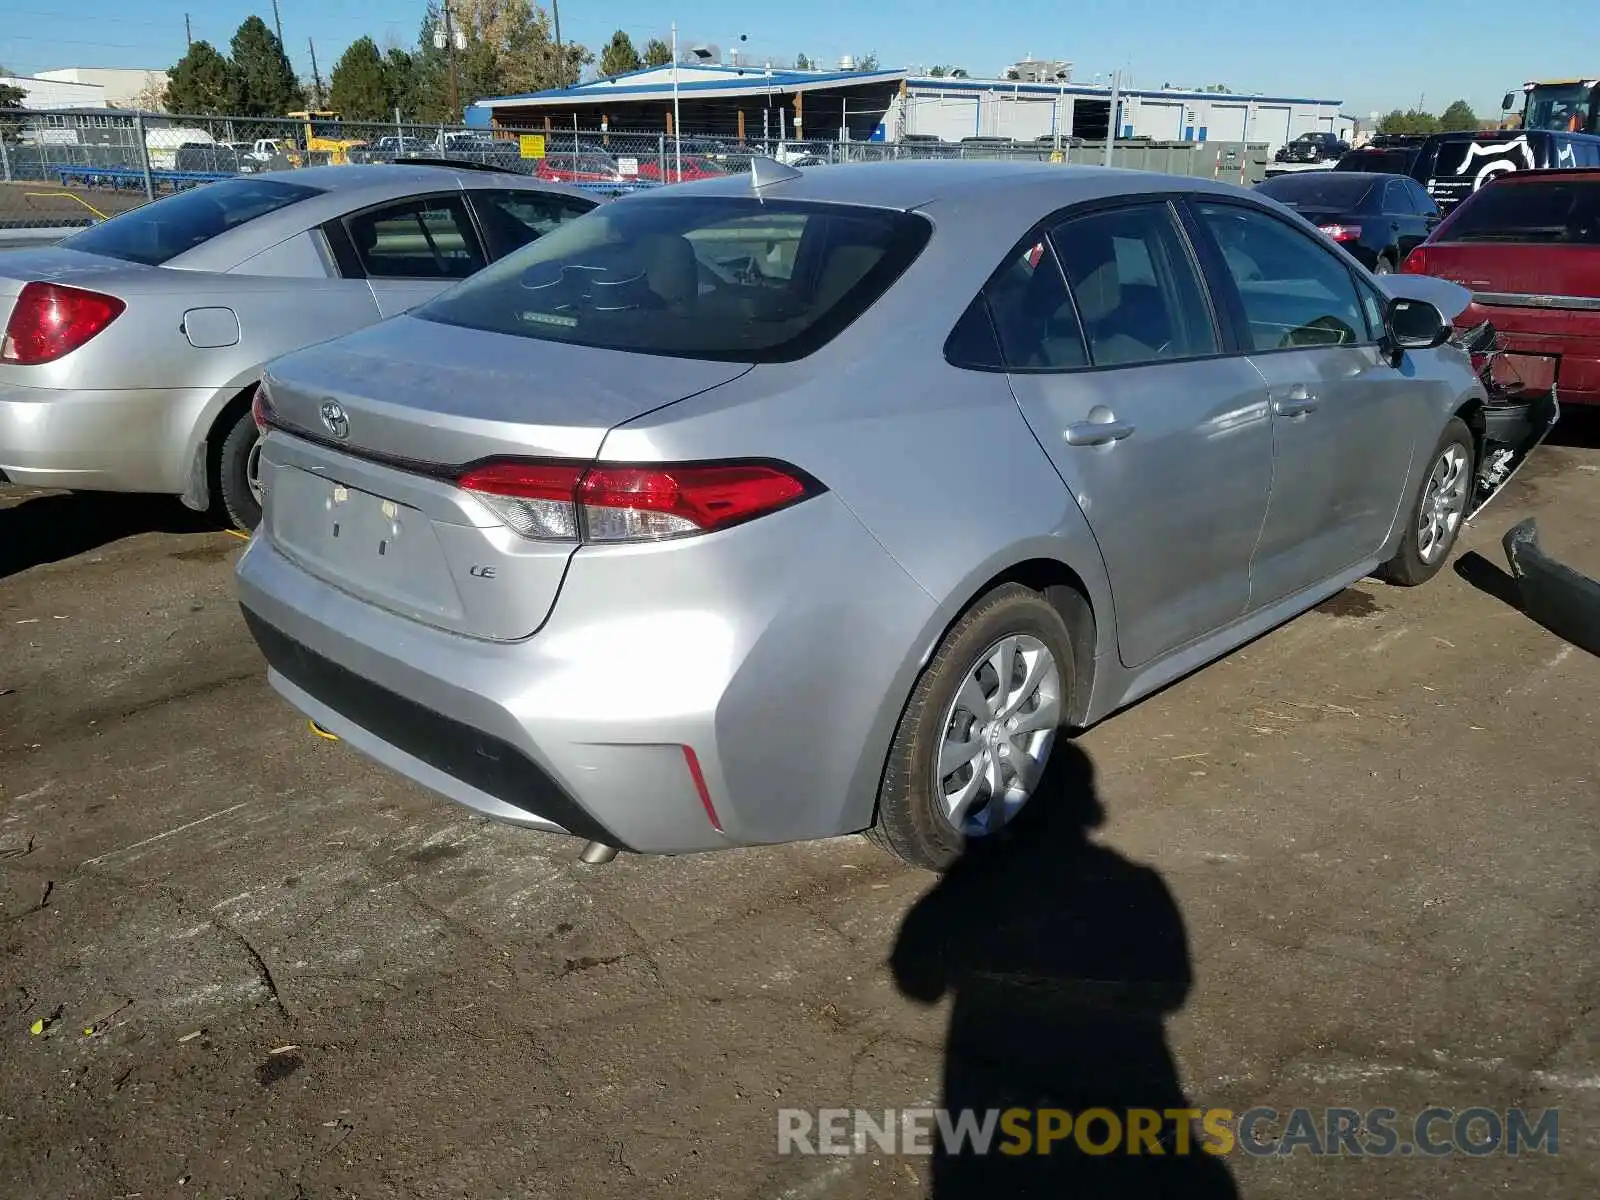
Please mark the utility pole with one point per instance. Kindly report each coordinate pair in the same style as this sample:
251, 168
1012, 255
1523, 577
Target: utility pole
188, 34
316, 79
277, 22
1112, 121
450, 44
561, 56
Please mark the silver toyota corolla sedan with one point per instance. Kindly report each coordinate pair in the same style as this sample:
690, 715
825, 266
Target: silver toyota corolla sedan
131, 349
801, 503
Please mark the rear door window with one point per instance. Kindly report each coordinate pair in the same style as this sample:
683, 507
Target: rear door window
1419, 197
431, 238
1139, 296
1397, 200
158, 232
725, 278
1546, 211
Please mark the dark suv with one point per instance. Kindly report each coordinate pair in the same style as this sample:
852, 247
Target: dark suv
1312, 148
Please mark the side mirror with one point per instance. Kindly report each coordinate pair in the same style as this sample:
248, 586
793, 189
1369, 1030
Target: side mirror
1508, 101
1415, 325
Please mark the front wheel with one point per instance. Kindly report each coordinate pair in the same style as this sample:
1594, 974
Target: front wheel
239, 474
974, 740
1436, 515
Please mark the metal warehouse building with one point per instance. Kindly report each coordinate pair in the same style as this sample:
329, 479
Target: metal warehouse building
753, 102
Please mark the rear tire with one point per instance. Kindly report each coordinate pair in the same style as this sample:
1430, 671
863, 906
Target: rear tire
959, 700
1384, 266
238, 474
1434, 518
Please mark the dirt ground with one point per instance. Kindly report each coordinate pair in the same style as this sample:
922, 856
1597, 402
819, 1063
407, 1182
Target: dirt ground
38, 201
1354, 864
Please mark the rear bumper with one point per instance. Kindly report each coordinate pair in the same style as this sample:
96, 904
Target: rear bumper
780, 653
118, 441
1571, 338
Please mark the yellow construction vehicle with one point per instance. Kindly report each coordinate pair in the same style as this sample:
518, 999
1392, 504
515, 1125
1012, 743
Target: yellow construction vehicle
322, 136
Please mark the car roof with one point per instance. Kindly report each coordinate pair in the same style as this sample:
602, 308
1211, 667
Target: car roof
913, 184
1370, 176
342, 190
1586, 174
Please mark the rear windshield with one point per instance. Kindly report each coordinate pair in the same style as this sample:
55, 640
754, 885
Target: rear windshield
1388, 162
1554, 211
159, 231
708, 277
1319, 189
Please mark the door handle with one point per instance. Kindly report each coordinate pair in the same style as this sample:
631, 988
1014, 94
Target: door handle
1297, 403
1096, 433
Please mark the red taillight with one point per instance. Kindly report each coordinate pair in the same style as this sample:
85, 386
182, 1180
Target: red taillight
261, 407
559, 502
1416, 262
51, 320
1341, 233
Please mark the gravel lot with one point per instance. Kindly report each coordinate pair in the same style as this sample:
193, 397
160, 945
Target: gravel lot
1353, 864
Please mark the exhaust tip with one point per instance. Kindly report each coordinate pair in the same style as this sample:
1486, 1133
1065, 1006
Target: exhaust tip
597, 853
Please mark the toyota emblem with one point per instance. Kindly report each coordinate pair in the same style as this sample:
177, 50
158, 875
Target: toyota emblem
334, 418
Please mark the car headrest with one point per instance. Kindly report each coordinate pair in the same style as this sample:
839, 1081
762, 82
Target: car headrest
671, 267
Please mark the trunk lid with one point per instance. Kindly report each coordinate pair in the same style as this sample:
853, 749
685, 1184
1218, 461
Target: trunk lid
1518, 269
56, 264
376, 512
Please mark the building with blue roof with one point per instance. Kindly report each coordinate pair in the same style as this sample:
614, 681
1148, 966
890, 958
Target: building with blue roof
755, 102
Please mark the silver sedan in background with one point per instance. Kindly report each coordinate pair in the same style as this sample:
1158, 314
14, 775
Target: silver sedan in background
132, 349
798, 503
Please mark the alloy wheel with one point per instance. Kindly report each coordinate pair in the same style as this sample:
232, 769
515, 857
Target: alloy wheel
997, 734
1444, 500
252, 470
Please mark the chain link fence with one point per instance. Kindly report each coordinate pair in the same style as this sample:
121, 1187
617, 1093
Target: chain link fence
65, 168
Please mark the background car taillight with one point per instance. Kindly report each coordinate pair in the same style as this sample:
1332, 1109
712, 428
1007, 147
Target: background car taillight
560, 502
1341, 233
261, 407
51, 320
1416, 262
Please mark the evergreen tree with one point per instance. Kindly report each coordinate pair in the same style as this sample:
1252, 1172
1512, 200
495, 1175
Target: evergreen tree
802, 63
359, 86
657, 53
267, 86
201, 83
619, 55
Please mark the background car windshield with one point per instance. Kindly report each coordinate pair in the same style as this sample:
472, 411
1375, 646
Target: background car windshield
160, 231
1531, 212
728, 278
1325, 189
1559, 108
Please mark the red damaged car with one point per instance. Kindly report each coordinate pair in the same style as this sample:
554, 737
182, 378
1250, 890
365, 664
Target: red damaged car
1527, 245
694, 167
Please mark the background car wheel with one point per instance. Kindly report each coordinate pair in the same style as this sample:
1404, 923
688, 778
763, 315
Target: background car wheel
977, 734
1436, 514
239, 474
1383, 266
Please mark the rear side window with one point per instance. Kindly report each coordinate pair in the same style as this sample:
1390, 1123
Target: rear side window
158, 232
1138, 295
1420, 198
1033, 314
512, 219
1546, 211
417, 239
1397, 199
709, 277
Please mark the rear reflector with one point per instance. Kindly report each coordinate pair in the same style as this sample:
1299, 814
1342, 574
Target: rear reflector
51, 320
560, 502
692, 761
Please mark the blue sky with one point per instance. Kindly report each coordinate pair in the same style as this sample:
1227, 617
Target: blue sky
1371, 54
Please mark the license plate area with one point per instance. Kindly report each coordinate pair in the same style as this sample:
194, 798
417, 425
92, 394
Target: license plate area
367, 544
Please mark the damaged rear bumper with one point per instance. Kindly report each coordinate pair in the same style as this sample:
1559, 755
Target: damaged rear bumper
1564, 601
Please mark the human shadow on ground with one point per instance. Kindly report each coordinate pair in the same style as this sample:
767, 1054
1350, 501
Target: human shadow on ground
1063, 958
